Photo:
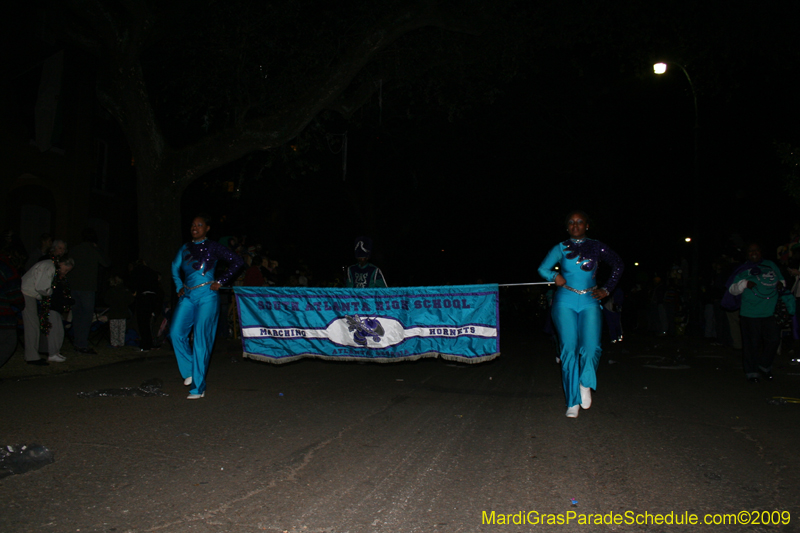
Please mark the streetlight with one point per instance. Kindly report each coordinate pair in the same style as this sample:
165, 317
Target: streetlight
661, 68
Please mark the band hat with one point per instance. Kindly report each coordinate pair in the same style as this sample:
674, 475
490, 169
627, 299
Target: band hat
363, 247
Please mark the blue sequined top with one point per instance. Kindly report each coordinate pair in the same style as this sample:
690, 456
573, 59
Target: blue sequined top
197, 260
578, 261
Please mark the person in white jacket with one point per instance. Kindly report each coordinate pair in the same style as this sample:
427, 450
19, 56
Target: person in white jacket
37, 283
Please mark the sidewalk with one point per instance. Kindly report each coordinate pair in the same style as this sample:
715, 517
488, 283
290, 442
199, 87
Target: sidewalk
17, 368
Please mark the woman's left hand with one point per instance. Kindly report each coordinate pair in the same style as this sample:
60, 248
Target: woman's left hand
215, 286
599, 294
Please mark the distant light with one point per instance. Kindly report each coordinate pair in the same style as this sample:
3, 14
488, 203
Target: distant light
636, 264
660, 68
688, 239
443, 249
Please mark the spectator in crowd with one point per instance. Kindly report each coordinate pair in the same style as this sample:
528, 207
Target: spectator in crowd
119, 299
149, 297
673, 305
60, 303
789, 258
57, 249
304, 274
657, 319
758, 283
37, 286
270, 271
88, 259
253, 276
8, 237
612, 312
716, 292
39, 250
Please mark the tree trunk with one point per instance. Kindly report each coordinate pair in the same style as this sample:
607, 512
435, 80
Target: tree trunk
160, 228
119, 35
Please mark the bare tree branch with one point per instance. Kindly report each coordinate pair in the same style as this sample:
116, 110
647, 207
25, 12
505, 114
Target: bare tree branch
267, 132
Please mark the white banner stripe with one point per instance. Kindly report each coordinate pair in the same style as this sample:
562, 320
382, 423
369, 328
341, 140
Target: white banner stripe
426, 331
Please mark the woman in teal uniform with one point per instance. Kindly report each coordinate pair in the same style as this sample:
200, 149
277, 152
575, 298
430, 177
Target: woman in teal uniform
198, 303
576, 310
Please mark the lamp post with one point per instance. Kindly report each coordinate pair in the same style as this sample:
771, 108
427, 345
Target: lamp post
661, 68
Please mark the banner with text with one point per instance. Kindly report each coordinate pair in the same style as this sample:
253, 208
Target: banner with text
396, 324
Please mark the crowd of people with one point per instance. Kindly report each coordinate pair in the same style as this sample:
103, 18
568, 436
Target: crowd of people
742, 300
50, 290
55, 291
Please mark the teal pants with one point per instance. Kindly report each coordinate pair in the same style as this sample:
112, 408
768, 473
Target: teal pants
197, 309
579, 322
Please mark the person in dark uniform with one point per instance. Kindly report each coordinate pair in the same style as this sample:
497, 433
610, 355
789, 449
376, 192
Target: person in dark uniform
364, 274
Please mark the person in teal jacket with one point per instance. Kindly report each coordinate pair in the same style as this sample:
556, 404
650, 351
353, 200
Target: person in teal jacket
576, 308
197, 311
759, 282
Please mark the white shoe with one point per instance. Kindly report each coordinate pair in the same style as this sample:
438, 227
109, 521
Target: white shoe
195, 396
57, 358
586, 397
187, 381
573, 411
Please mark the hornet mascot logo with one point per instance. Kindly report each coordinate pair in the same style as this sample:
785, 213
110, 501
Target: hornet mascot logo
367, 327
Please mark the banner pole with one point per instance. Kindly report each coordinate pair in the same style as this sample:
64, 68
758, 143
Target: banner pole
499, 285
521, 284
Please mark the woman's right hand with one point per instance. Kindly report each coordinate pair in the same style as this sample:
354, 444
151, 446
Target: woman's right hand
560, 281
180, 293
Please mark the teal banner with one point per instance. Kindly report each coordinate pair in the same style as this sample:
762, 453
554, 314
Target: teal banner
397, 324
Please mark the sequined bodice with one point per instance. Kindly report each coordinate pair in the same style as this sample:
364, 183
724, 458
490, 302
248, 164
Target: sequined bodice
578, 262
196, 261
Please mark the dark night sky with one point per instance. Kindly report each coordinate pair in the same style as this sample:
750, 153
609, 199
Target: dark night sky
579, 126
491, 188
483, 194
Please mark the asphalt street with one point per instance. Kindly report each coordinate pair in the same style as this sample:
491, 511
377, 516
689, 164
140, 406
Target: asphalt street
426, 446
